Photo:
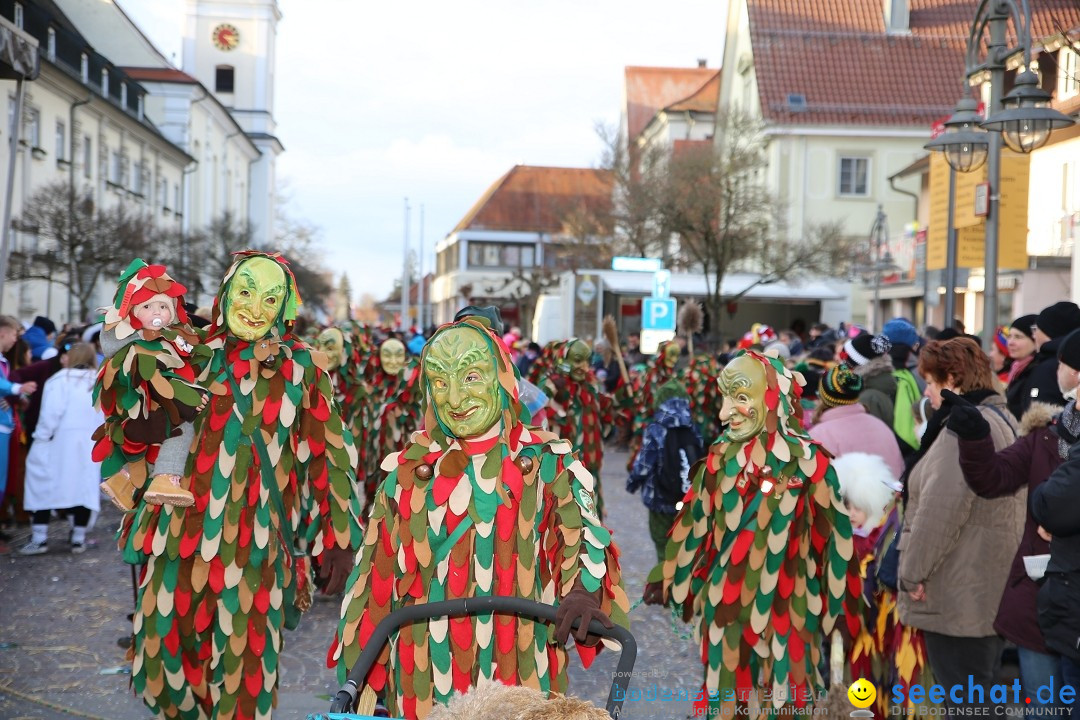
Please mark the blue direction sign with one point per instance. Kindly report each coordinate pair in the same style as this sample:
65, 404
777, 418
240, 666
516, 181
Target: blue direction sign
658, 314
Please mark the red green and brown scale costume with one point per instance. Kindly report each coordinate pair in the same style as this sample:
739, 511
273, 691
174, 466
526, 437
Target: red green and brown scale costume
511, 514
766, 574
699, 377
394, 412
153, 371
579, 412
210, 607
645, 398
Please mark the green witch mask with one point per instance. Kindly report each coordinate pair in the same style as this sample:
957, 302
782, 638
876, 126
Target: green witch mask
671, 355
577, 359
255, 297
332, 342
463, 381
743, 384
392, 356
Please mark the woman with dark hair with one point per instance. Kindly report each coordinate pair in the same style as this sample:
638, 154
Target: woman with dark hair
955, 546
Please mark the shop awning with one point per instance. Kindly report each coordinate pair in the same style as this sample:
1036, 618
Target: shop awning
693, 285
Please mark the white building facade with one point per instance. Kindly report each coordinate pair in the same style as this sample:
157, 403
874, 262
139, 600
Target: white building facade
84, 123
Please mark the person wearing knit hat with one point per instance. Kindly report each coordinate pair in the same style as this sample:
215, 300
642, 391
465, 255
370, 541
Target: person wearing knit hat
868, 357
1038, 381
1021, 351
1056, 321
901, 332
842, 424
1000, 362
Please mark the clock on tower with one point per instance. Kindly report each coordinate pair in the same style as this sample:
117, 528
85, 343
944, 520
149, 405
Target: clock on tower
226, 37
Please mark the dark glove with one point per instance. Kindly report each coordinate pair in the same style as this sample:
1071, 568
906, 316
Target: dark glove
654, 594
151, 430
964, 418
335, 565
580, 603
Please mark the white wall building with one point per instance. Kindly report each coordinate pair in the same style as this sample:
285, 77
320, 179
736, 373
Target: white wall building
197, 111
83, 122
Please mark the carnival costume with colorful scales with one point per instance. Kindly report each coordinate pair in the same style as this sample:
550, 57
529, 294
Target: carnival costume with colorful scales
220, 580
761, 552
578, 411
476, 504
393, 410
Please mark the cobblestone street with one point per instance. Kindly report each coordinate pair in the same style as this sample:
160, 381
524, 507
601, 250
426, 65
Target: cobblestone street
62, 615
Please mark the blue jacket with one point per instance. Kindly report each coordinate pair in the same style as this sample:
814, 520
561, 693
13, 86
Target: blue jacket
35, 337
649, 461
7, 414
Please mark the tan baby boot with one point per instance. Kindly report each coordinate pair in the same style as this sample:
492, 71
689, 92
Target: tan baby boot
166, 490
119, 488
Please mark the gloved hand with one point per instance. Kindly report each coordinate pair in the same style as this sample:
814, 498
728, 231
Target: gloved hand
654, 594
964, 418
335, 566
579, 603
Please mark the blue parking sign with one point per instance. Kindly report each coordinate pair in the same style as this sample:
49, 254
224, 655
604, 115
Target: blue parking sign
658, 314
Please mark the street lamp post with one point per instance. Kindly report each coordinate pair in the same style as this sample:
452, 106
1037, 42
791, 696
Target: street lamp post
1023, 119
879, 237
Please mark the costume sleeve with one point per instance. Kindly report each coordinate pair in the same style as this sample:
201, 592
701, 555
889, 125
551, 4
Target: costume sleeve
370, 589
326, 450
944, 506
841, 591
53, 402
576, 544
1053, 503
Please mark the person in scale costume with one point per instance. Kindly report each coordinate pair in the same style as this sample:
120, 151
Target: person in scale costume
477, 504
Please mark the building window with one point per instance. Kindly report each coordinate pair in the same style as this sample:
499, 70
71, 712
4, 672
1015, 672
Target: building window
115, 168
105, 82
224, 78
1068, 74
163, 194
123, 94
84, 69
509, 255
136, 177
176, 198
11, 114
19, 16
33, 127
854, 176
61, 140
87, 157
51, 44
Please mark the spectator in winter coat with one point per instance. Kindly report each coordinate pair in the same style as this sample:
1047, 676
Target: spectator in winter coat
909, 385
1027, 463
842, 425
868, 356
953, 541
1051, 327
648, 471
1021, 349
39, 373
1055, 505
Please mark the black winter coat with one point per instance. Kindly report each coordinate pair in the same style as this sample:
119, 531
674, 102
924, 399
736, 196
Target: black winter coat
1056, 506
1038, 381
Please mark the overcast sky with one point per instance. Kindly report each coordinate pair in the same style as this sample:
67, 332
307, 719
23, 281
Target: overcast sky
378, 101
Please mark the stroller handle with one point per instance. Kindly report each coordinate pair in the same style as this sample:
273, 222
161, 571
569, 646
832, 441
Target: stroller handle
345, 701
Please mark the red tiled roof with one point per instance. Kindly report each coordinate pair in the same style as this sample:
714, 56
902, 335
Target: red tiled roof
155, 74
704, 100
837, 55
651, 89
536, 199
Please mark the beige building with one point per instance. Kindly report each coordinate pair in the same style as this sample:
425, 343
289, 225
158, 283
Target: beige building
84, 122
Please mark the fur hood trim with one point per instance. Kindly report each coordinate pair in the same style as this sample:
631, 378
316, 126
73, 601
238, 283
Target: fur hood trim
881, 365
1038, 416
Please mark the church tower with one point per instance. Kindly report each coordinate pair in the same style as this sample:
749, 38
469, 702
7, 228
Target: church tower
230, 47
